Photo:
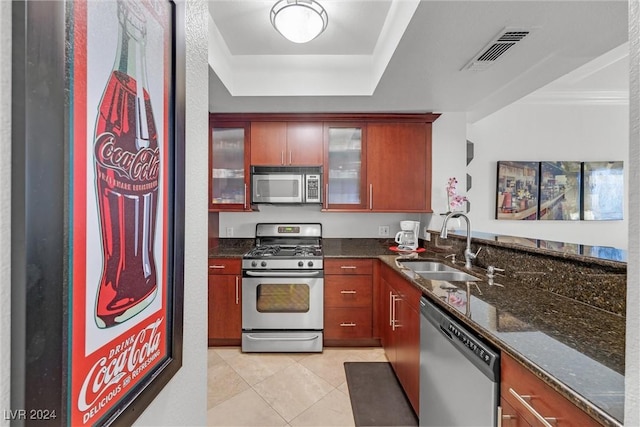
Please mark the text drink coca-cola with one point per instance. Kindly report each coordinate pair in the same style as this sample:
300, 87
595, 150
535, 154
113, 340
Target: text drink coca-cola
127, 166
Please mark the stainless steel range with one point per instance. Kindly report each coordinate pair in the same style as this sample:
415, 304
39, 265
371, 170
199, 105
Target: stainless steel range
283, 289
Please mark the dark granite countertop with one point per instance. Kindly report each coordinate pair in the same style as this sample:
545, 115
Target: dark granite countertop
229, 248
573, 347
576, 349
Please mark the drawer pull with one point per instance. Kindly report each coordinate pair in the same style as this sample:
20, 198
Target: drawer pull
348, 292
524, 400
348, 267
350, 325
217, 267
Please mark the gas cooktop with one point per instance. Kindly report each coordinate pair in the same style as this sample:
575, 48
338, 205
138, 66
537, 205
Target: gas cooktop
286, 246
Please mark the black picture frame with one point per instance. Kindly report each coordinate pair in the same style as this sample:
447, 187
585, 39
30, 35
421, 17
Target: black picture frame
40, 205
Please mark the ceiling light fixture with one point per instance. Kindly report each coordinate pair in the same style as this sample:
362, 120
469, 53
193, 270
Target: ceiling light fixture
299, 21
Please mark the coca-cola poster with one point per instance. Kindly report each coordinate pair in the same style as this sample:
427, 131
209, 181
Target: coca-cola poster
122, 206
97, 212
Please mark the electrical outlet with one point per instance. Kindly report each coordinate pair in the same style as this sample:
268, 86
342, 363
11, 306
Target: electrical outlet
383, 230
229, 231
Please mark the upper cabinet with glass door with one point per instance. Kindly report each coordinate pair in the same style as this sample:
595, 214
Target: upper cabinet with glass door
345, 166
229, 169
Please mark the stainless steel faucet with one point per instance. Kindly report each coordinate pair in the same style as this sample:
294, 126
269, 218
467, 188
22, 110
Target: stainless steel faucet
468, 255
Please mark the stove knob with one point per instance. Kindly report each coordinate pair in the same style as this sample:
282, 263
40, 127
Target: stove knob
254, 263
300, 264
310, 263
263, 263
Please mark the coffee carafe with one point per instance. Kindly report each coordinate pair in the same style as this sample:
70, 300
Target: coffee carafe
407, 237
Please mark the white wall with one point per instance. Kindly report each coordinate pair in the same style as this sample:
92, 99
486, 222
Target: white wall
632, 355
5, 206
334, 224
449, 160
548, 132
183, 402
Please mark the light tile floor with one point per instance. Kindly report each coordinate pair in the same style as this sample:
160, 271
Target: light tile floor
282, 389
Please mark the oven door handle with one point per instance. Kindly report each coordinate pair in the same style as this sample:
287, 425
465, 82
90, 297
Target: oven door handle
282, 273
311, 338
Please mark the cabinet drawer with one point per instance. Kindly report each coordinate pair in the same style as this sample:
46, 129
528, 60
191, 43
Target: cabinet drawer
347, 323
348, 266
520, 384
225, 265
348, 291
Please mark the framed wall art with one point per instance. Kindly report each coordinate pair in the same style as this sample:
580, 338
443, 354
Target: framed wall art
566, 190
603, 190
560, 190
517, 192
98, 185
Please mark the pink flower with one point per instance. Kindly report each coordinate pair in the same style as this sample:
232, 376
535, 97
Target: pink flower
453, 198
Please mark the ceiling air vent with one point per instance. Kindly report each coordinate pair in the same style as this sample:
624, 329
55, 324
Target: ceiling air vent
504, 41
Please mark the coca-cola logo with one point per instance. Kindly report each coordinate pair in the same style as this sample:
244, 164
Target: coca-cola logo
142, 165
127, 359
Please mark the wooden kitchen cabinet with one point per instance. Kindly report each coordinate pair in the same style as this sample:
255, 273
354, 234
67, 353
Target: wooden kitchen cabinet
348, 301
283, 143
229, 166
401, 330
525, 399
225, 301
399, 167
371, 162
345, 170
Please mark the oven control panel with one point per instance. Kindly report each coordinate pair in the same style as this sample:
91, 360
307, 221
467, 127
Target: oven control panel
282, 264
289, 230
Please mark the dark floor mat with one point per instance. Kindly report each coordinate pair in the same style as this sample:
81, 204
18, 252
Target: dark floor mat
377, 399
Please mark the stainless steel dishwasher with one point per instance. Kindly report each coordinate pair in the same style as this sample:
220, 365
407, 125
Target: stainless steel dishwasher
459, 374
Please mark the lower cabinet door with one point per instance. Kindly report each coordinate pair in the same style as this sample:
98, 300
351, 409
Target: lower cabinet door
225, 307
347, 323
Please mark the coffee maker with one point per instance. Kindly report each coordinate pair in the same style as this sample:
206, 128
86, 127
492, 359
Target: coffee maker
407, 238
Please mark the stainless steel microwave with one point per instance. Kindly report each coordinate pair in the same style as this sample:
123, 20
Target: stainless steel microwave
286, 184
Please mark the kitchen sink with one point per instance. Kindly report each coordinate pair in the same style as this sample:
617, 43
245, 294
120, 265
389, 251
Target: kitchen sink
450, 276
436, 270
428, 266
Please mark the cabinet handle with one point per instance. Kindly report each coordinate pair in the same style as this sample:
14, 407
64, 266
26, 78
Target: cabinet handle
282, 157
350, 325
393, 312
347, 292
245, 195
348, 267
370, 196
502, 416
237, 290
217, 267
390, 308
326, 195
524, 400
290, 157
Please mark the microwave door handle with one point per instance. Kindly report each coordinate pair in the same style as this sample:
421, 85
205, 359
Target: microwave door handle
302, 187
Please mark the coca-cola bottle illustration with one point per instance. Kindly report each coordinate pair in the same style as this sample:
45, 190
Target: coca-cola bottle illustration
127, 167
